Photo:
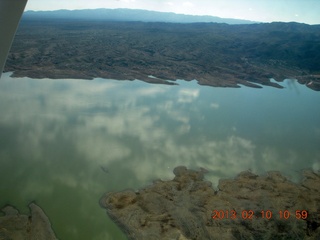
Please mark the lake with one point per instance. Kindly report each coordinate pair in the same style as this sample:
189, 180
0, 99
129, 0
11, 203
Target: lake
64, 143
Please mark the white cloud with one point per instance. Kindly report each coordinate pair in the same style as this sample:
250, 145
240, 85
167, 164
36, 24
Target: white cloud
126, 1
150, 91
316, 165
187, 95
188, 4
214, 105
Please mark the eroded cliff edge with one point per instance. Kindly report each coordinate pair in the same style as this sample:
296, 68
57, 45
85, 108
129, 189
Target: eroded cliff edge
184, 208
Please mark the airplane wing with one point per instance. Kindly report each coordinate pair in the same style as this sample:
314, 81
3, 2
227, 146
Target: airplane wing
10, 14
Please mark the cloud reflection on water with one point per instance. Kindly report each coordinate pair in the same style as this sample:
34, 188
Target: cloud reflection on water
62, 131
139, 125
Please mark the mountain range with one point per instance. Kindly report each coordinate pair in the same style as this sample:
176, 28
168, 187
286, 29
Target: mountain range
123, 14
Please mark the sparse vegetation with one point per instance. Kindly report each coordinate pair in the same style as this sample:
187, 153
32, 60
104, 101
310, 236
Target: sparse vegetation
215, 54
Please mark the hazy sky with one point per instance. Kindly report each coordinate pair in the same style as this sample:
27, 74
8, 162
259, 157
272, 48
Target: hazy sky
306, 11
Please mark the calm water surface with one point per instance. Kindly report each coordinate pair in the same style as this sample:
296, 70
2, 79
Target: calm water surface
57, 136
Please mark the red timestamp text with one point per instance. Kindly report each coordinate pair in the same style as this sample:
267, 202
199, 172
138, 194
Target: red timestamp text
264, 214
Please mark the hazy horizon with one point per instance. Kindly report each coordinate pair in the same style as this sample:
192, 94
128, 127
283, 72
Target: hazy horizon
261, 11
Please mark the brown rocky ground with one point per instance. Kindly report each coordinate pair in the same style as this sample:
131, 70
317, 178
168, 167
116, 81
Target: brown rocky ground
247, 207
16, 226
218, 55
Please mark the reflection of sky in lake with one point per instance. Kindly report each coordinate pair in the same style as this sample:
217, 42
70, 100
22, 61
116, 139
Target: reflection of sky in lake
57, 134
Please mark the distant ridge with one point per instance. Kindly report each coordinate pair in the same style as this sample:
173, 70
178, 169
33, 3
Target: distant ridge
123, 14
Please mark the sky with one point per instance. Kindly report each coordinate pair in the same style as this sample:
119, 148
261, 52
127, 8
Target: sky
304, 11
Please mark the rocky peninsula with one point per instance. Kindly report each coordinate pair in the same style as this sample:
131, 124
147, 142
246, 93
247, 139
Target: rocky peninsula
247, 207
16, 226
215, 54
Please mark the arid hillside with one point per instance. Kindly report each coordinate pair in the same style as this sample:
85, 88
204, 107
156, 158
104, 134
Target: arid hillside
214, 54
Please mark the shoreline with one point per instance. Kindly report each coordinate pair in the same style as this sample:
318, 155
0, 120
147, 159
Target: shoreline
312, 82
